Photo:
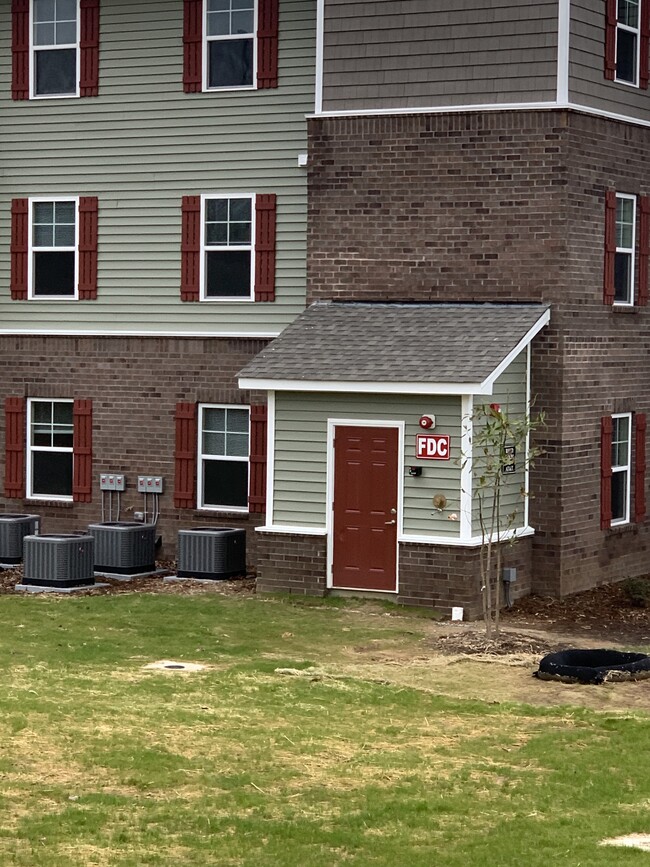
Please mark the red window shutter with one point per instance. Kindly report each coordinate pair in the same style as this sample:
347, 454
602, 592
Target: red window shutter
15, 445
82, 451
644, 247
610, 39
257, 491
267, 43
265, 219
610, 246
19, 248
606, 427
191, 249
89, 47
644, 44
639, 465
185, 456
192, 45
20, 49
88, 218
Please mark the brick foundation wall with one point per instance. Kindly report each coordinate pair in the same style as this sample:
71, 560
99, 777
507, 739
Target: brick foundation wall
134, 384
503, 206
292, 563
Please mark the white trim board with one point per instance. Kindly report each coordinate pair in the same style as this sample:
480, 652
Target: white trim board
66, 332
455, 541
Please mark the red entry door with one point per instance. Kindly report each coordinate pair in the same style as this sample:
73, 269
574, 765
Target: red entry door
365, 508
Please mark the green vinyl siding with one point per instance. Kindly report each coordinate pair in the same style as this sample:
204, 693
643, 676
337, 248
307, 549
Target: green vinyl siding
140, 146
300, 466
510, 392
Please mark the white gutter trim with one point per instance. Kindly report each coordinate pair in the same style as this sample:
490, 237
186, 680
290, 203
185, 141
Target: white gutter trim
288, 530
247, 335
473, 542
563, 36
340, 387
525, 341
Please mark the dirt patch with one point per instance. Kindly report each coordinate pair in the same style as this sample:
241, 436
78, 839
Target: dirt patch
474, 643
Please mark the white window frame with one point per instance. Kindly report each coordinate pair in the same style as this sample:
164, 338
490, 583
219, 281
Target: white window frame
234, 247
623, 468
31, 249
32, 63
31, 449
637, 32
629, 250
206, 53
201, 458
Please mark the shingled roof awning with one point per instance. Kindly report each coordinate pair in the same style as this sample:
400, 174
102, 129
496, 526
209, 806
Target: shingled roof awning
396, 348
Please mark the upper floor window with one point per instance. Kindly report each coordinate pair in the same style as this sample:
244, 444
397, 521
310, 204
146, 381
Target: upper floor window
625, 245
228, 247
627, 41
55, 47
53, 258
230, 41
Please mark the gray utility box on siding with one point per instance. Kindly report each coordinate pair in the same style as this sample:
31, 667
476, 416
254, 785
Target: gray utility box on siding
65, 560
13, 529
124, 547
211, 552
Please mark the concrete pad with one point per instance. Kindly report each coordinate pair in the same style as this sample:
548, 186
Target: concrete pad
31, 588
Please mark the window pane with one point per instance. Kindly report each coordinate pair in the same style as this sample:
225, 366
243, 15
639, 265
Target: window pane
218, 5
225, 483
43, 212
216, 233
231, 63
228, 273
217, 209
620, 441
237, 445
62, 439
66, 33
219, 24
43, 10
56, 71
44, 34
628, 12
214, 444
619, 495
52, 474
623, 277
63, 414
237, 420
66, 10
64, 236
43, 235
242, 22
240, 233
240, 210
625, 222
54, 273
626, 55
214, 419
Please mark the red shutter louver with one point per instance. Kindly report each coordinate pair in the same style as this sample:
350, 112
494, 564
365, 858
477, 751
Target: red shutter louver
644, 44
19, 248
89, 47
20, 49
15, 445
610, 246
265, 219
644, 249
610, 39
257, 490
192, 45
191, 248
185, 456
82, 451
88, 230
606, 427
267, 43
639, 466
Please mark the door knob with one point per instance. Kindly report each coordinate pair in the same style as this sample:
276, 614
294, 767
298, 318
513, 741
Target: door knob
390, 522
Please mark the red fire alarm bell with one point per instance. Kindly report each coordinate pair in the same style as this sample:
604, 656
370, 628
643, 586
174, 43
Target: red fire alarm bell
427, 421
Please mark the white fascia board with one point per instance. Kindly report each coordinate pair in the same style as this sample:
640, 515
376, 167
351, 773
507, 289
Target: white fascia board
525, 341
50, 332
429, 388
287, 530
473, 542
439, 109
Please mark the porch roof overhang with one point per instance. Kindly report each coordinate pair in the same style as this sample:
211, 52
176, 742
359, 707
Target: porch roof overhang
395, 348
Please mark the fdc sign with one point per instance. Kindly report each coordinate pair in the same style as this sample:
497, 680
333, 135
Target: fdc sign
432, 447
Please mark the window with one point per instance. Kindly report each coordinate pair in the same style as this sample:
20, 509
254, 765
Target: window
49, 446
224, 433
53, 256
627, 41
621, 457
55, 47
227, 257
230, 40
625, 244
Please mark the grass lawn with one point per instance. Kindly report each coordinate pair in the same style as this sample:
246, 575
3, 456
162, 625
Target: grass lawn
367, 760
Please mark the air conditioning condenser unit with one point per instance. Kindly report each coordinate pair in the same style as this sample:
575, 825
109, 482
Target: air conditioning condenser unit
64, 560
13, 529
211, 552
124, 547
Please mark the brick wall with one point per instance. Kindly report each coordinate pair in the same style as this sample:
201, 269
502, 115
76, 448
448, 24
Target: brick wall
502, 207
134, 384
292, 563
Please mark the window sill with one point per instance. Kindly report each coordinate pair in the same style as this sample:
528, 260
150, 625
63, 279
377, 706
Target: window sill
51, 504
620, 308
622, 529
